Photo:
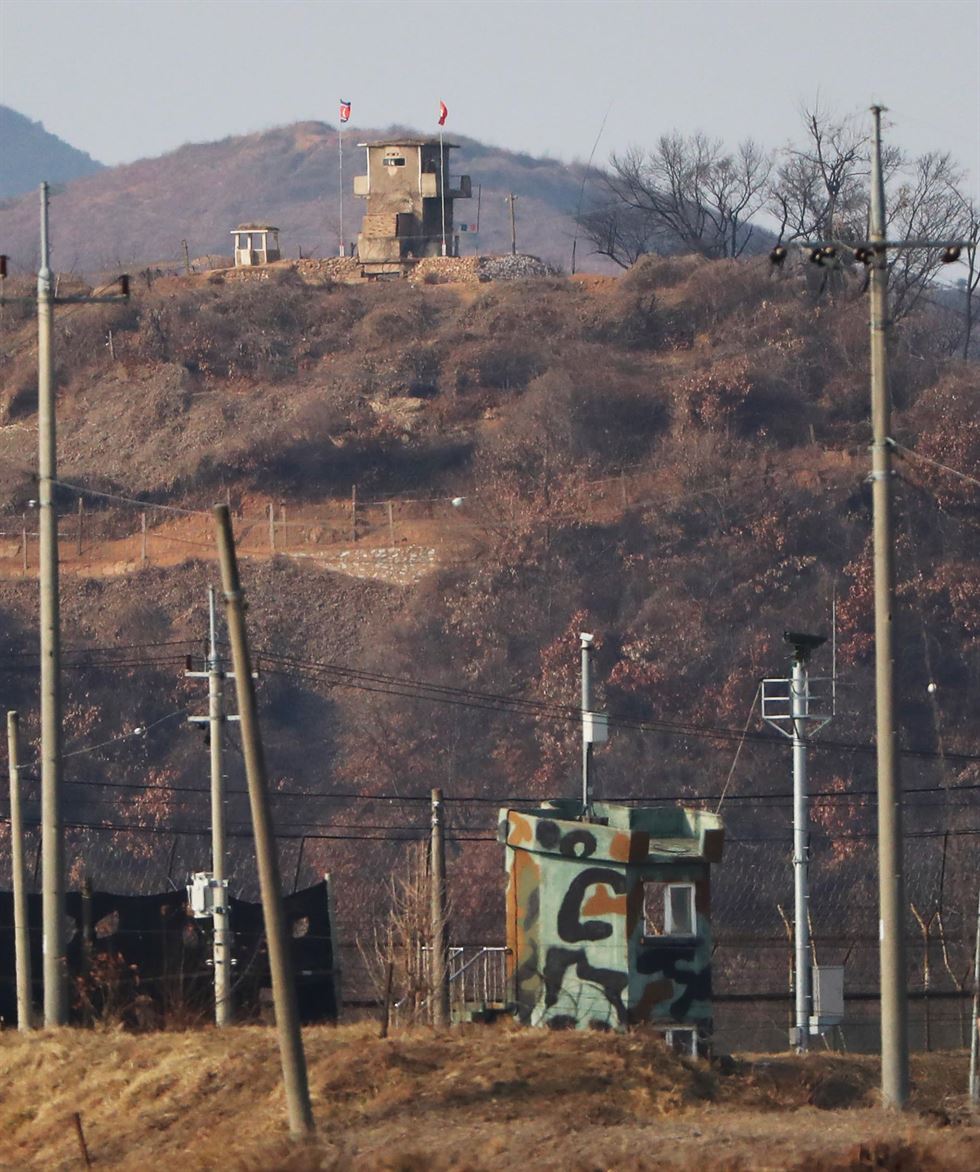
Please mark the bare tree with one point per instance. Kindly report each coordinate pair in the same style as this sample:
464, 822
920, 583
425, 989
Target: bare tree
687, 192
819, 189
926, 205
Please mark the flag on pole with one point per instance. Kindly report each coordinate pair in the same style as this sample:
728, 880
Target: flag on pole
442, 113
344, 111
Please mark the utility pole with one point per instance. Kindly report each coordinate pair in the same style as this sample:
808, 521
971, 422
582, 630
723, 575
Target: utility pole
54, 966
873, 253
438, 919
280, 963
800, 703
891, 871
52, 839
221, 930
22, 935
789, 702
511, 197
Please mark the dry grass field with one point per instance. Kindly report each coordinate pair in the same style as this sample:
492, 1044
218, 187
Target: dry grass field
476, 1098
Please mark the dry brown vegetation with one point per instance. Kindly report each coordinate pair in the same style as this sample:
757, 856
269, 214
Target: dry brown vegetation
733, 404
477, 1098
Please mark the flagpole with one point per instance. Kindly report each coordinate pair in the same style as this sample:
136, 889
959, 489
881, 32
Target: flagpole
442, 189
340, 151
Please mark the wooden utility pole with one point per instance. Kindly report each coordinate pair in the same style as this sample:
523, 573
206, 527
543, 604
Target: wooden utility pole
513, 224
439, 926
22, 936
280, 963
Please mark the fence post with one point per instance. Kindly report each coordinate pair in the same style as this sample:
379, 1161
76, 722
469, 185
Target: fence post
23, 546
391, 523
143, 537
81, 515
353, 512
272, 527
285, 527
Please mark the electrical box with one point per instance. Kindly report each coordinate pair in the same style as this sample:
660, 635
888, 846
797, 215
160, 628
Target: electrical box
828, 997
200, 894
595, 727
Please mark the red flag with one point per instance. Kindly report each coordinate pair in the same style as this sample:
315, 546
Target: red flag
344, 111
442, 113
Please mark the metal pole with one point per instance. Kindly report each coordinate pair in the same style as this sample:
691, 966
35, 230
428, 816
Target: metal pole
280, 963
586, 641
799, 709
975, 1032
340, 153
22, 936
442, 189
52, 844
440, 928
891, 883
513, 225
222, 922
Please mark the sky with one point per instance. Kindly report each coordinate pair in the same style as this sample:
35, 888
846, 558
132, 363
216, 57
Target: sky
127, 79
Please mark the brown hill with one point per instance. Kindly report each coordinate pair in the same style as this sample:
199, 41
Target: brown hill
129, 216
675, 460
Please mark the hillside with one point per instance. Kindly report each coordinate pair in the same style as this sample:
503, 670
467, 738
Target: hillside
138, 214
479, 1098
675, 460
29, 153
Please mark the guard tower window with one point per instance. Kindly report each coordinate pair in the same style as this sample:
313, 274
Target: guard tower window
394, 161
668, 909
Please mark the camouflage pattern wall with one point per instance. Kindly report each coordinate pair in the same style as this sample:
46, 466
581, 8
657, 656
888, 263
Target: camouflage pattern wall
582, 952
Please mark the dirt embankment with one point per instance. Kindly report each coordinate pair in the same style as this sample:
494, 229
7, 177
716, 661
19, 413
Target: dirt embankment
477, 1098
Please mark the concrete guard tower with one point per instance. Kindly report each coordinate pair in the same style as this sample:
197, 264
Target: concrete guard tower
608, 917
256, 244
410, 196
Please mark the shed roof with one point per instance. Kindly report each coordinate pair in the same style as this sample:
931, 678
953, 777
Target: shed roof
409, 142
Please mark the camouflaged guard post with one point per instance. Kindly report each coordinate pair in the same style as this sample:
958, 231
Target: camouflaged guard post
608, 917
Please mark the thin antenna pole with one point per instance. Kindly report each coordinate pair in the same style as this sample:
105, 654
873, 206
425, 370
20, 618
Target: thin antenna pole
442, 189
52, 842
891, 878
586, 643
340, 152
22, 936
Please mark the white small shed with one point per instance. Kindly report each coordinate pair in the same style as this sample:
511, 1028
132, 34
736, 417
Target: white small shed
256, 244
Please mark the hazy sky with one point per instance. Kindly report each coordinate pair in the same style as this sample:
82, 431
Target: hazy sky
124, 79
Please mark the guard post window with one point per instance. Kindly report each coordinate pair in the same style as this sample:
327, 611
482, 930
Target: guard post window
668, 909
